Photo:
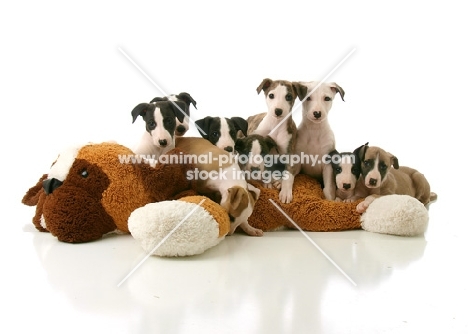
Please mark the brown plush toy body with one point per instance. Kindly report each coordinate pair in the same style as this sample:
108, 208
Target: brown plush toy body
309, 210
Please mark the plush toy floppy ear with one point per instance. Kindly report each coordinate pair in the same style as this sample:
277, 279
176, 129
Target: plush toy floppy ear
35, 196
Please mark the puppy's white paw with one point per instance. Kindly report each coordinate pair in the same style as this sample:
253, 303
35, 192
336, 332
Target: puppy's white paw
285, 196
267, 185
251, 230
337, 199
362, 207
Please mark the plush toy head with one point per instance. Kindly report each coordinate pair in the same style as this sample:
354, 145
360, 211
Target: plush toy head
92, 190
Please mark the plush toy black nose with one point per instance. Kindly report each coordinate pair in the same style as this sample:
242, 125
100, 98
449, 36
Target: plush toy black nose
317, 114
228, 148
50, 185
346, 185
373, 182
278, 112
163, 142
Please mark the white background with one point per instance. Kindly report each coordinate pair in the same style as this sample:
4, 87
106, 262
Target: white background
63, 79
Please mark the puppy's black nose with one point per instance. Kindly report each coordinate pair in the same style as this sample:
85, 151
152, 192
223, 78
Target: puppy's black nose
163, 142
278, 112
346, 185
181, 129
50, 185
317, 114
228, 148
373, 182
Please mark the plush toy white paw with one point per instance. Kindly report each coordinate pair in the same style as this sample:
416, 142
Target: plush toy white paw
396, 214
184, 227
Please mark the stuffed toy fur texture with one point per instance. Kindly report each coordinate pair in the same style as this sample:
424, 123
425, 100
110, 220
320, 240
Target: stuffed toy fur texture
149, 202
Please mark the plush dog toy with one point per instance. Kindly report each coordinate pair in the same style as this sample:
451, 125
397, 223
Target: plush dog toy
98, 189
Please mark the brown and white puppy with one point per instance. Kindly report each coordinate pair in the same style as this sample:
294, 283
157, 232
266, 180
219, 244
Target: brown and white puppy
160, 119
218, 176
279, 125
258, 158
346, 171
382, 175
315, 137
181, 125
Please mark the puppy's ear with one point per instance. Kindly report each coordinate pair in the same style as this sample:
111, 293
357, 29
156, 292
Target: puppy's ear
332, 153
240, 124
158, 99
264, 85
204, 124
254, 191
179, 108
394, 160
271, 143
140, 110
238, 199
239, 145
300, 89
337, 89
187, 99
360, 152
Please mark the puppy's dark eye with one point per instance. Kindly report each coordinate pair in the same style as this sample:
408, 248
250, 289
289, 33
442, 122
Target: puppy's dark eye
338, 170
367, 163
271, 96
215, 134
84, 173
354, 170
327, 98
151, 125
288, 97
168, 121
309, 98
383, 167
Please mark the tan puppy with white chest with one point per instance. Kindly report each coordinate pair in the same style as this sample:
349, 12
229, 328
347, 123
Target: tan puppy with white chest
315, 137
379, 178
217, 173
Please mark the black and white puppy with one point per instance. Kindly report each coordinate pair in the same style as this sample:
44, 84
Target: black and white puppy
181, 126
259, 159
222, 131
160, 118
346, 171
